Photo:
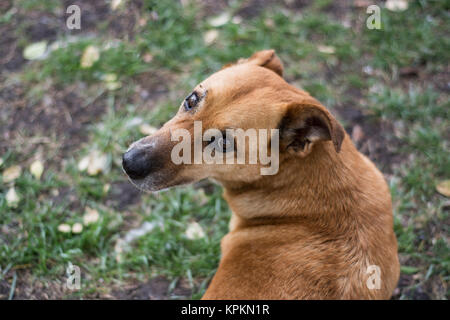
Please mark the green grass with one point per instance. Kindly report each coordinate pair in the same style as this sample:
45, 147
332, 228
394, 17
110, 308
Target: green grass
418, 109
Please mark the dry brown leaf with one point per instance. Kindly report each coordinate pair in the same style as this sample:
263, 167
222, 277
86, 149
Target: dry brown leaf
11, 173
443, 188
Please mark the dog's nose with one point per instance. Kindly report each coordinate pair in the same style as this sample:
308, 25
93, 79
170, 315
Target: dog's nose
136, 163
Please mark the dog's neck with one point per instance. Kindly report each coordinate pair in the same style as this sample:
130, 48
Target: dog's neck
314, 190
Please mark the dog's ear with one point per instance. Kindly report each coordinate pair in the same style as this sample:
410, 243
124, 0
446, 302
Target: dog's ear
266, 58
305, 124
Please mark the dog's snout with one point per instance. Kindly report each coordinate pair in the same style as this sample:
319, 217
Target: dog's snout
136, 163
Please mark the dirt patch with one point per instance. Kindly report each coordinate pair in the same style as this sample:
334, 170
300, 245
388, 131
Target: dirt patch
28, 287
154, 289
123, 194
59, 118
68, 198
372, 136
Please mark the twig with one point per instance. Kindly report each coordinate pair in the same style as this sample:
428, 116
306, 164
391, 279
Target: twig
13, 287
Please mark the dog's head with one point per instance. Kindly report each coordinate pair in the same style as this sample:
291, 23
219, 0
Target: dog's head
250, 97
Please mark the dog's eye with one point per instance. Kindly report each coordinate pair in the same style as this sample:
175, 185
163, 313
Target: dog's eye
191, 101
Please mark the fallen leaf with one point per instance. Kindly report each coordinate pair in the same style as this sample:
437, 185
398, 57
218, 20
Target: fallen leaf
36, 169
115, 4
210, 36
35, 50
326, 49
98, 164
90, 216
95, 162
396, 5
12, 198
194, 231
77, 228
109, 77
84, 163
11, 174
111, 86
443, 188
90, 55
64, 228
148, 57
220, 20
147, 129
111, 82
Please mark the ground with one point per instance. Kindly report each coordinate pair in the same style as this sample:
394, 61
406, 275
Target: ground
388, 87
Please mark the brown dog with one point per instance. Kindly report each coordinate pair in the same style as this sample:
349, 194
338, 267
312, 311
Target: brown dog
320, 228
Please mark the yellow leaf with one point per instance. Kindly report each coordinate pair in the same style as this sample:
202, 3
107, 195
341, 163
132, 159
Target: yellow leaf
111, 82
396, 5
11, 174
12, 198
443, 188
77, 228
220, 20
210, 36
35, 50
91, 216
36, 169
90, 55
99, 163
95, 162
109, 77
83, 164
194, 231
326, 49
115, 4
64, 228
111, 86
